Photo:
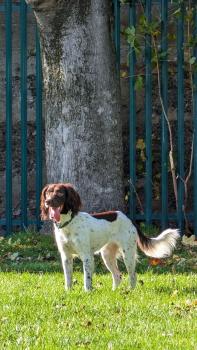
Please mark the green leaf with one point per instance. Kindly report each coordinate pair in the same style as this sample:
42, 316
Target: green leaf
139, 83
192, 60
130, 35
177, 12
140, 144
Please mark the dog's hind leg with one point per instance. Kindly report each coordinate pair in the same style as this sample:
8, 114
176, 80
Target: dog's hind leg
88, 269
129, 256
109, 253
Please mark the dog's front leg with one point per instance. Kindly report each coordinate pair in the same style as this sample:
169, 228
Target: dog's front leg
88, 268
67, 264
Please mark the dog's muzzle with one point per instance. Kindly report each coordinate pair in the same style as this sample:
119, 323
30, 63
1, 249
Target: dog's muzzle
53, 202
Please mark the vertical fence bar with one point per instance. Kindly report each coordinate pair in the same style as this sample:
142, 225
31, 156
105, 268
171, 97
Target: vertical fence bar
195, 125
117, 32
164, 96
8, 28
38, 129
23, 63
132, 118
180, 113
148, 118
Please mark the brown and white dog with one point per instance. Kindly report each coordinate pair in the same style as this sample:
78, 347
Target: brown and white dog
111, 233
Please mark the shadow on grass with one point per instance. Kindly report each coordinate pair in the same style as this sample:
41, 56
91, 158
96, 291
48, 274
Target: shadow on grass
35, 253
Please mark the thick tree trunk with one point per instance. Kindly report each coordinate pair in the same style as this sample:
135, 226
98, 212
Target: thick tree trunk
83, 124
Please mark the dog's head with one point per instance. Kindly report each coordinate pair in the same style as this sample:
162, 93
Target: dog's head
57, 199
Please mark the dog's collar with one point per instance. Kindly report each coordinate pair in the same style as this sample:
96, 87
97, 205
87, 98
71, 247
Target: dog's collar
64, 224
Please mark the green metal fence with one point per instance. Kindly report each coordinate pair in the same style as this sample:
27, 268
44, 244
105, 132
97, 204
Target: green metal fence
8, 9
180, 11
163, 215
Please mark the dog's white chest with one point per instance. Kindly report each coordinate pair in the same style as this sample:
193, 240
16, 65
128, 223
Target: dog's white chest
64, 240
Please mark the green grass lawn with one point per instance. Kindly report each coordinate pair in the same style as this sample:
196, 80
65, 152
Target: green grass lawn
37, 313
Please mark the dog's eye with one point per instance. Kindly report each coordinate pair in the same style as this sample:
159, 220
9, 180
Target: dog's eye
60, 194
49, 192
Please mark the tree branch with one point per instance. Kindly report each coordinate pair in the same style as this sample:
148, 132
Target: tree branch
171, 153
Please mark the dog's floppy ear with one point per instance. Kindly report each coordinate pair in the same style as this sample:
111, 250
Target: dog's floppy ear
44, 210
72, 199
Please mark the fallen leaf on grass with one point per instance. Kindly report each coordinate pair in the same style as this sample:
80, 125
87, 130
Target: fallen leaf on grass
45, 257
182, 262
176, 257
167, 334
174, 293
99, 285
191, 303
60, 306
14, 256
187, 306
189, 241
87, 323
192, 261
83, 343
110, 346
156, 262
141, 282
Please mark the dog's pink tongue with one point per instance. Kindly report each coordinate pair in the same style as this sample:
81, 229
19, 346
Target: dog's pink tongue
55, 214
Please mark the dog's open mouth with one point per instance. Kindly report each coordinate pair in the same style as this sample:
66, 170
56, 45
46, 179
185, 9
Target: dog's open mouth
54, 213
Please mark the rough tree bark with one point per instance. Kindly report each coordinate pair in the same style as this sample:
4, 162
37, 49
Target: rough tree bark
82, 124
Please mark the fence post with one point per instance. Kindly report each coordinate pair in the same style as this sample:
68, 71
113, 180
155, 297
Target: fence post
195, 126
148, 119
164, 132
132, 119
117, 32
38, 129
180, 114
23, 62
8, 28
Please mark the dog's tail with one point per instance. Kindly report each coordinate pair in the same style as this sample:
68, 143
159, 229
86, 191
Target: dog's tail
160, 246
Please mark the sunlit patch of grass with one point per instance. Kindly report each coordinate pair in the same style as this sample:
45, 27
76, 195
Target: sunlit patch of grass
37, 313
